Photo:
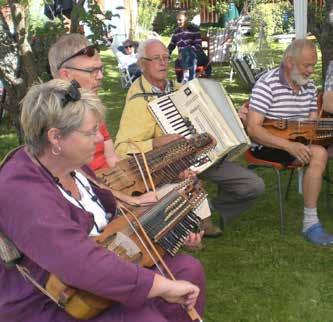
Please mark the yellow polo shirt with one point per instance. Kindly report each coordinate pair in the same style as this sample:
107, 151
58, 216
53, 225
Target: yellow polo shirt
136, 122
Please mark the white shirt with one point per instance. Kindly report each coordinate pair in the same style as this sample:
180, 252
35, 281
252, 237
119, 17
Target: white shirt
88, 204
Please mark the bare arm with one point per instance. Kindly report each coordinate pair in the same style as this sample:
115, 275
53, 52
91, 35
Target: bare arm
328, 101
242, 113
165, 139
313, 116
147, 198
110, 154
260, 135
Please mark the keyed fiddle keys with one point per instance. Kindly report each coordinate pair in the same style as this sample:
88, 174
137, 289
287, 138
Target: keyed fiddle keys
165, 164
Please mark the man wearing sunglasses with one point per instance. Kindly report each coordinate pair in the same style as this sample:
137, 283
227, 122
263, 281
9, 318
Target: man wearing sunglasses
73, 57
237, 186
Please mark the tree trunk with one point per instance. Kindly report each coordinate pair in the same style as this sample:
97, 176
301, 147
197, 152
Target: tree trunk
17, 68
321, 25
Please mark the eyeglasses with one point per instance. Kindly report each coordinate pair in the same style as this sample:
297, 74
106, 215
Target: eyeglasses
130, 46
87, 51
158, 58
93, 71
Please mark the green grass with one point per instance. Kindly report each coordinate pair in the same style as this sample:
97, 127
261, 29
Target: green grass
253, 274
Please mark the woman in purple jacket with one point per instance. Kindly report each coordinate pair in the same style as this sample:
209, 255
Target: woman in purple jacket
49, 209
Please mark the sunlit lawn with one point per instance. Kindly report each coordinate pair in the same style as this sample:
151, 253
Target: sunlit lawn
253, 274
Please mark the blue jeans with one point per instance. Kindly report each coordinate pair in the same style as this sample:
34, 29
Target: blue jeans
188, 60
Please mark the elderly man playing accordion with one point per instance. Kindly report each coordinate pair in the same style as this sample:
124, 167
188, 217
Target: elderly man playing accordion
49, 209
237, 187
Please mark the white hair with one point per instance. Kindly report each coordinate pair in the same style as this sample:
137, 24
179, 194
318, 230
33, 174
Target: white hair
144, 44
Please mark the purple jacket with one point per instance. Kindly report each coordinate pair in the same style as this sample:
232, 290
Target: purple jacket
52, 234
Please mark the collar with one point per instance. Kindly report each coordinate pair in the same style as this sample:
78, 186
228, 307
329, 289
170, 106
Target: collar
284, 81
282, 78
167, 90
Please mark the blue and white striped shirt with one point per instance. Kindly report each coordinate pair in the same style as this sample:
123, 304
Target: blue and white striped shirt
273, 97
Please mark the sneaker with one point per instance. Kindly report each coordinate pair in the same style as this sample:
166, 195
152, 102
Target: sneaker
210, 230
317, 235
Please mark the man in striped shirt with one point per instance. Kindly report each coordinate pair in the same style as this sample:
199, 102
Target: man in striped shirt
187, 38
287, 92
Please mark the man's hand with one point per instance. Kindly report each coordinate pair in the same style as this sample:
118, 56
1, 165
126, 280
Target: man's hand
193, 240
300, 151
188, 173
165, 139
242, 113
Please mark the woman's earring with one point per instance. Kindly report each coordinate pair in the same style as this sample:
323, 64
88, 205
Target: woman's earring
56, 150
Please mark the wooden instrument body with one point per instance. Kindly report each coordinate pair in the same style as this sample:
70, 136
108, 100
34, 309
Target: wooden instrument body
165, 163
306, 131
121, 239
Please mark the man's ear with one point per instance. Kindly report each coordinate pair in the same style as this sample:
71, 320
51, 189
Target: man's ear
65, 74
141, 64
289, 62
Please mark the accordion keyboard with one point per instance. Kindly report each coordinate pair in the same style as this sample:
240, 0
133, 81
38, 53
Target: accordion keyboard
170, 118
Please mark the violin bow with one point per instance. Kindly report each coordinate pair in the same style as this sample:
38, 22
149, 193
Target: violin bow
193, 314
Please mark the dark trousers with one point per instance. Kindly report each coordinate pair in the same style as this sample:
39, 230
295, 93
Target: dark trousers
238, 188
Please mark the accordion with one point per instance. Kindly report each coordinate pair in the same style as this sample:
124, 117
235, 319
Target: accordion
202, 105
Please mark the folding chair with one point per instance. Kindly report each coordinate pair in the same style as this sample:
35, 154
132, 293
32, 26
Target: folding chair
245, 68
126, 79
254, 163
278, 168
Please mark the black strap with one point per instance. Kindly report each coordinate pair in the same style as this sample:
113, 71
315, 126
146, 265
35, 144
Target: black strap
146, 95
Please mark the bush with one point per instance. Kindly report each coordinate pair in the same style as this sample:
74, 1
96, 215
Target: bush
43, 35
147, 11
165, 22
277, 17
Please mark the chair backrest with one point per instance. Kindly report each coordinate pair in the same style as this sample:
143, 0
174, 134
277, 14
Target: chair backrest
219, 46
243, 69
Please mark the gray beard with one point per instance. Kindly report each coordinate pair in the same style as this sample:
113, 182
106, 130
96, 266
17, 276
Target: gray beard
297, 78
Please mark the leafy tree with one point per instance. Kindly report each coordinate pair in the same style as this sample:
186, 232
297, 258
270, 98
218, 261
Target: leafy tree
320, 23
24, 46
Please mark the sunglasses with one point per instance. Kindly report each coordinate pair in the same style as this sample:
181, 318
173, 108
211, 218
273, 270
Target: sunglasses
129, 46
87, 51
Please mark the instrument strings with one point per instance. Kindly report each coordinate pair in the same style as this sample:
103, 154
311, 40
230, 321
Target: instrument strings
166, 173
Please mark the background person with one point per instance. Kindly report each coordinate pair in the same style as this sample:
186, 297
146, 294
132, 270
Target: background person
187, 39
127, 58
59, 208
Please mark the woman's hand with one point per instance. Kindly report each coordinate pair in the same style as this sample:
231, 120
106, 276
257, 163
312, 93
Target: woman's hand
193, 240
181, 292
145, 199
